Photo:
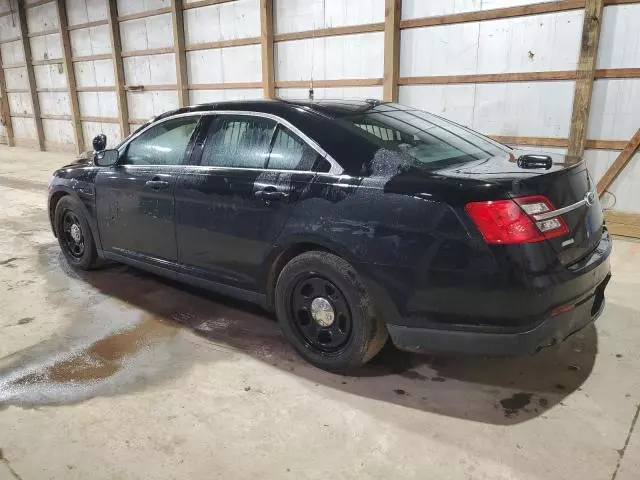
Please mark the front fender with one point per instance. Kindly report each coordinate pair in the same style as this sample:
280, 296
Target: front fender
86, 198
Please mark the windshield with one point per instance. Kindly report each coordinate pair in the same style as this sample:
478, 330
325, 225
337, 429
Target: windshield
429, 140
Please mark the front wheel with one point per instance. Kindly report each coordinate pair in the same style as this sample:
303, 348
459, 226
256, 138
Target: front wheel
74, 234
326, 312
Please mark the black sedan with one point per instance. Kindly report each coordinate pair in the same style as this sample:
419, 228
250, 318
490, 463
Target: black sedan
353, 221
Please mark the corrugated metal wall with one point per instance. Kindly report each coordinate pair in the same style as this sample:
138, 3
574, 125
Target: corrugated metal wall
347, 65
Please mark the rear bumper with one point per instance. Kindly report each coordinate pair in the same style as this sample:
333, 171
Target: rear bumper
548, 332
587, 282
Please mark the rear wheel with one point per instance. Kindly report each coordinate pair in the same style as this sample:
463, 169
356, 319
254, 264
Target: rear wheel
74, 234
326, 312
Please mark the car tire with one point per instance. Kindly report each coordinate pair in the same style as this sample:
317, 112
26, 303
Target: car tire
326, 313
74, 234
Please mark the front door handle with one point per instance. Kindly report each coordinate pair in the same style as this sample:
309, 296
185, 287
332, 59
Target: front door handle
157, 184
270, 194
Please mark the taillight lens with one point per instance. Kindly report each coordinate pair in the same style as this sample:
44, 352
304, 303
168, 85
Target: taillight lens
511, 221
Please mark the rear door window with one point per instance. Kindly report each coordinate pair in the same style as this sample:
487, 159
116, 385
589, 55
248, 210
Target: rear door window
238, 141
289, 152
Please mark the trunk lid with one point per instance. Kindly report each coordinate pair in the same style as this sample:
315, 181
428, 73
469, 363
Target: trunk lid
565, 186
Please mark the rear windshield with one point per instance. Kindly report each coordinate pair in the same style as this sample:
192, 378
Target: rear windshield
427, 139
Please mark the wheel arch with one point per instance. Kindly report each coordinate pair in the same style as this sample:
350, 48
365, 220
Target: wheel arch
59, 194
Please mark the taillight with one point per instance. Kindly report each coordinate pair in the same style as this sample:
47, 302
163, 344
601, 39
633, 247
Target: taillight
512, 221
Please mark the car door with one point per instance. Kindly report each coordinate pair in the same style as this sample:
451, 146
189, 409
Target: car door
231, 208
134, 198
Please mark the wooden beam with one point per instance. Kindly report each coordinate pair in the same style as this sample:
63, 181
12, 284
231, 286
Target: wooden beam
618, 73
494, 14
204, 3
238, 42
266, 41
118, 69
71, 75
5, 113
343, 82
31, 77
52, 90
49, 61
147, 52
100, 119
88, 58
148, 13
180, 53
9, 40
79, 26
623, 223
533, 141
151, 88
618, 165
224, 86
604, 144
36, 4
489, 78
110, 88
49, 116
42, 33
330, 32
392, 16
584, 78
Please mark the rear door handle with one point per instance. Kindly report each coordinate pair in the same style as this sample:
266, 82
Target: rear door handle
269, 194
157, 184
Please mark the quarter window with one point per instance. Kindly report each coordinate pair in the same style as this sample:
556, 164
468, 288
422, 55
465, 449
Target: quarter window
162, 144
289, 152
238, 141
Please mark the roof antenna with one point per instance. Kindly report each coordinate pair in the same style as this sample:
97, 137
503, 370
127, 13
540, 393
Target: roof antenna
313, 48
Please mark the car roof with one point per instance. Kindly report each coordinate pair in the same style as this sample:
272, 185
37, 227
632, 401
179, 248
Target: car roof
326, 108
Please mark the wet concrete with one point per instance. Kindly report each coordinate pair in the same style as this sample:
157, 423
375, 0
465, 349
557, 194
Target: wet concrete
150, 379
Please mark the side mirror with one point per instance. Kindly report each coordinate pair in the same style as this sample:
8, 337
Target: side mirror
99, 142
106, 158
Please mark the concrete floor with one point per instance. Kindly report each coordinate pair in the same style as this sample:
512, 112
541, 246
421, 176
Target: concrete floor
118, 374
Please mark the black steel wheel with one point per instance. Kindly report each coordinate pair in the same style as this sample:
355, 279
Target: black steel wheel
321, 314
74, 234
326, 313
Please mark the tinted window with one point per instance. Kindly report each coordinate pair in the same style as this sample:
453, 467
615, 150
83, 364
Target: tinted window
289, 152
238, 141
428, 139
163, 144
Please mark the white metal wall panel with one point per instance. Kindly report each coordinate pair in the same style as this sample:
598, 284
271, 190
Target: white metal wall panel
433, 8
46, 47
128, 7
98, 104
90, 41
620, 37
97, 73
220, 65
206, 96
12, 53
111, 130
58, 131
347, 56
4, 6
150, 69
615, 109
20, 103
525, 44
54, 103
454, 102
16, 78
147, 33
303, 15
24, 127
331, 93
9, 26
84, 11
144, 105
41, 18
528, 109
50, 76
226, 21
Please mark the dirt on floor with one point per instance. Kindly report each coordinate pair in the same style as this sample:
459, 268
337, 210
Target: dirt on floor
116, 373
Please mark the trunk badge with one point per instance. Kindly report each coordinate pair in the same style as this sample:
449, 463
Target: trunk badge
590, 198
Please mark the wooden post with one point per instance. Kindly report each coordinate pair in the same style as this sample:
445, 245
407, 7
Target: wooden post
178, 48
26, 47
584, 78
71, 75
118, 69
5, 113
392, 16
266, 40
